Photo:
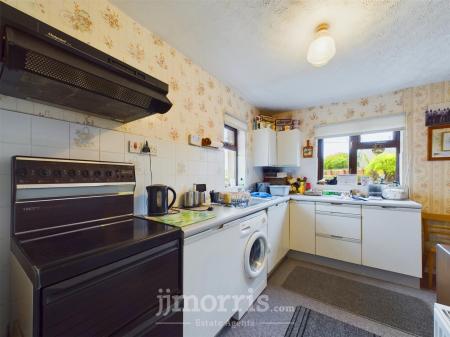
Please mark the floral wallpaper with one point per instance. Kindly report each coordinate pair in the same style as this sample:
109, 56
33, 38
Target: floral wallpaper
429, 182
199, 100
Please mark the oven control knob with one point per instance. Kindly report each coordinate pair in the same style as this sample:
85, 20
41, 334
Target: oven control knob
21, 172
57, 173
71, 173
44, 172
85, 173
108, 174
98, 174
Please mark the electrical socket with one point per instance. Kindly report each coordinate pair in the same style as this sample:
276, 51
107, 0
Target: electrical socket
136, 147
153, 149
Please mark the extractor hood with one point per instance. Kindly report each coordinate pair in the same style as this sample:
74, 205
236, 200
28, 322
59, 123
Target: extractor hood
41, 63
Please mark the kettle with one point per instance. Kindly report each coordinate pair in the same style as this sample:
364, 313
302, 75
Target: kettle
158, 199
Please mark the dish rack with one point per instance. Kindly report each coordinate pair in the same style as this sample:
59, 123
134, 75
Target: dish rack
441, 320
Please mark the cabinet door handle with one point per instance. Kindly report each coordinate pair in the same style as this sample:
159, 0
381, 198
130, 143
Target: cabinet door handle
336, 237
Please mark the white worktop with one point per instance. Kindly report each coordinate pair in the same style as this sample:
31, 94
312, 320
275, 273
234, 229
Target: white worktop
383, 202
226, 214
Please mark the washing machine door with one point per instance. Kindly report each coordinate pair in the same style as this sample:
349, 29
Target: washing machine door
256, 254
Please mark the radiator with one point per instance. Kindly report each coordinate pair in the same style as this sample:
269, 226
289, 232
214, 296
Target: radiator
441, 320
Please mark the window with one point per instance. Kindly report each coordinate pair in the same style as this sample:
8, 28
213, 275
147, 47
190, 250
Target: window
375, 155
230, 145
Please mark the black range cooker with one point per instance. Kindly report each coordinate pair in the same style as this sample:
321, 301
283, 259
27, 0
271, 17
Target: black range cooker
82, 264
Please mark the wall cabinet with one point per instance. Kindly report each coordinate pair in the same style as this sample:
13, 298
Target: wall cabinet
302, 217
278, 233
288, 148
265, 147
276, 148
392, 239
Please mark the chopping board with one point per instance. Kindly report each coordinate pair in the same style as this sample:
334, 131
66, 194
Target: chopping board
183, 218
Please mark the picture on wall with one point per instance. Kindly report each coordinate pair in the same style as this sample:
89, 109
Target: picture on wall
439, 142
437, 114
446, 141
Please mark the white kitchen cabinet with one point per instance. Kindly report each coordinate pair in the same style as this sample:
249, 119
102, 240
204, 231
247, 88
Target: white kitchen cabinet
338, 231
302, 223
343, 249
207, 256
264, 147
392, 239
278, 233
288, 148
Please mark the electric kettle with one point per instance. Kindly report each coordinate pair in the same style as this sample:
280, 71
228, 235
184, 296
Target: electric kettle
158, 199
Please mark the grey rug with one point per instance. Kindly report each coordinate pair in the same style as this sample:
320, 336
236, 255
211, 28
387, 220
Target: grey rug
403, 312
308, 323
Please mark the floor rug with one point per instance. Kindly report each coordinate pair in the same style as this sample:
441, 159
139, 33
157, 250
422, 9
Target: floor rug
399, 311
308, 323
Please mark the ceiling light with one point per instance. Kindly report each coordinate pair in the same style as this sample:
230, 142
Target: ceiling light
322, 49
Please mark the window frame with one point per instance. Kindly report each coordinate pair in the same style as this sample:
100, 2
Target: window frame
229, 146
355, 144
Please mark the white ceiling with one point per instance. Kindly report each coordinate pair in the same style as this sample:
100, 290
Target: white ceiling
258, 47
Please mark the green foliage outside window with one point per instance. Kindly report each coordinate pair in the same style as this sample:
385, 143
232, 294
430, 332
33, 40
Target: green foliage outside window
336, 161
383, 164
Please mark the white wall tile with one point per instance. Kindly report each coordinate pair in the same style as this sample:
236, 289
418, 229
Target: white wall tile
16, 127
8, 150
47, 111
51, 152
25, 106
5, 222
197, 168
112, 141
183, 152
84, 154
112, 156
163, 166
84, 137
164, 149
50, 132
5, 190
140, 194
141, 162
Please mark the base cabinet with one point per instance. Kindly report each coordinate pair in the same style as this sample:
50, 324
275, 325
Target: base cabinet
339, 249
392, 239
302, 217
278, 233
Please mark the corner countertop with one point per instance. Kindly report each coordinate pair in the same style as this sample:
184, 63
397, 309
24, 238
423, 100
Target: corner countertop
382, 203
226, 214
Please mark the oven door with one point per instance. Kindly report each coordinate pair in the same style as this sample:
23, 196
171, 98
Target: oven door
103, 301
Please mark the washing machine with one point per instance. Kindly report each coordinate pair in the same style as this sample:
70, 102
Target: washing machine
254, 252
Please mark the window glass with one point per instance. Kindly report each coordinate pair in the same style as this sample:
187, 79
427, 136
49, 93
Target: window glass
230, 168
377, 137
229, 136
372, 155
380, 164
336, 156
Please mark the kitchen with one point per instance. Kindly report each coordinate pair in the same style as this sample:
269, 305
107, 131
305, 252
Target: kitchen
331, 251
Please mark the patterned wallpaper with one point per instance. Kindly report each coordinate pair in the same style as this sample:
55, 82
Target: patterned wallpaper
429, 181
199, 100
